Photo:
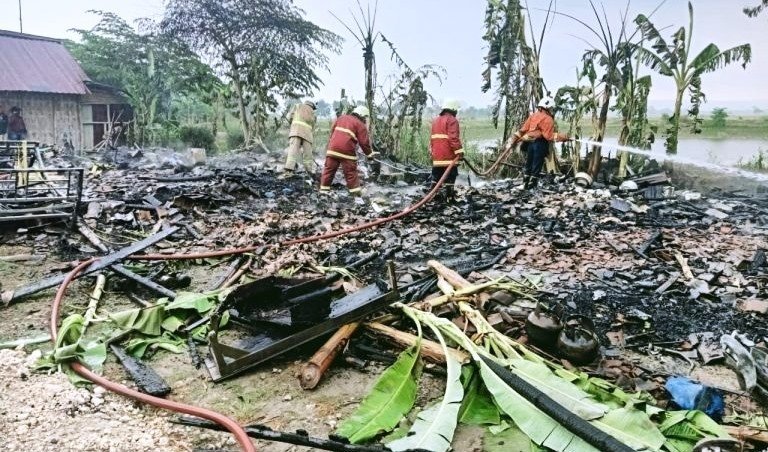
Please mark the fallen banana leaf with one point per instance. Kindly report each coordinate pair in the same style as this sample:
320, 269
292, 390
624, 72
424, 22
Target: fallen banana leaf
540, 428
632, 427
683, 429
536, 373
434, 427
201, 302
142, 320
477, 408
563, 392
508, 438
392, 397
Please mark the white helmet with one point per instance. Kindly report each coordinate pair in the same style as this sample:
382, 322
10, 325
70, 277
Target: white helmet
450, 104
362, 111
547, 102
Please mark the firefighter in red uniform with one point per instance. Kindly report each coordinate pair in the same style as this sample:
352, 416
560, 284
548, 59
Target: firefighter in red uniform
445, 145
536, 134
348, 132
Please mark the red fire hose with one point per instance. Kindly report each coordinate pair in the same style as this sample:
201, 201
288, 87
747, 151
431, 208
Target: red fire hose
240, 435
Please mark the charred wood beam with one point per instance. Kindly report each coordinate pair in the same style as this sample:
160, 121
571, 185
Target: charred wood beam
147, 380
104, 262
146, 282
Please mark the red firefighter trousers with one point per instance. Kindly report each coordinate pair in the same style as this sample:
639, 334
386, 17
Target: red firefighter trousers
348, 167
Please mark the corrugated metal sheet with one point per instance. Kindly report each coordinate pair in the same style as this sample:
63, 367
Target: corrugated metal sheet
37, 64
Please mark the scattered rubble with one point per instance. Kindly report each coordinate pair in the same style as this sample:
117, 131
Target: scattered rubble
621, 271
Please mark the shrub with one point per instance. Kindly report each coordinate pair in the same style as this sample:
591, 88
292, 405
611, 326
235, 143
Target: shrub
235, 139
197, 137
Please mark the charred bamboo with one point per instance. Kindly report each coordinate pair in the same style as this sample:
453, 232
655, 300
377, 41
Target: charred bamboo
312, 371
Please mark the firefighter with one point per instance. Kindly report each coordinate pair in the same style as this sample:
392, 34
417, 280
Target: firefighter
536, 134
445, 146
300, 140
347, 133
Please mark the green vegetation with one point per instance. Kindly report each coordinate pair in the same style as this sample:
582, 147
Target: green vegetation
719, 115
758, 163
197, 137
677, 61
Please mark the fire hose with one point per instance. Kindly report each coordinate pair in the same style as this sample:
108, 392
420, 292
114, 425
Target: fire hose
231, 425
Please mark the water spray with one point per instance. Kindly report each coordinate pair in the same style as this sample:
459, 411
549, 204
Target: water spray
683, 160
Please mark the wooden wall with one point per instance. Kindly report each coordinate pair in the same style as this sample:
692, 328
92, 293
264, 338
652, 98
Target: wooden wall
50, 118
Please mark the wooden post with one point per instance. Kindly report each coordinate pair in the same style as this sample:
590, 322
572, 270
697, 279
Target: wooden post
312, 371
430, 350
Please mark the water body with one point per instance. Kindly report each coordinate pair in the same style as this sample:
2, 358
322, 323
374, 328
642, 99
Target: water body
728, 152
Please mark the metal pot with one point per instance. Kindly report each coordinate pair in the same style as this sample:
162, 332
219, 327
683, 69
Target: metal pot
543, 324
577, 342
583, 179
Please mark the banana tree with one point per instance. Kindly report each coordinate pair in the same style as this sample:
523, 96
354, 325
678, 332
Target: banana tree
674, 60
756, 10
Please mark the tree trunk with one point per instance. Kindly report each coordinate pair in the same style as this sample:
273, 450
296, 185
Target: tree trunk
240, 103
673, 131
368, 60
602, 121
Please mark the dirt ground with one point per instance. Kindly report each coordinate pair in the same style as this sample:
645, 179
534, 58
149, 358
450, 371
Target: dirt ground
584, 251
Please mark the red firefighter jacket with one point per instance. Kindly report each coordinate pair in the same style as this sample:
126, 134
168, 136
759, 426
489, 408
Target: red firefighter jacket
445, 142
539, 125
346, 134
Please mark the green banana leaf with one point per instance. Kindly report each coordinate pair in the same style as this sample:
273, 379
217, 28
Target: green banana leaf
477, 408
683, 429
143, 320
508, 439
563, 392
632, 427
137, 347
434, 427
201, 302
392, 398
540, 428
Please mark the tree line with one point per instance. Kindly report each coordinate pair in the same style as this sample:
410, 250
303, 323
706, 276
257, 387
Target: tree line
250, 59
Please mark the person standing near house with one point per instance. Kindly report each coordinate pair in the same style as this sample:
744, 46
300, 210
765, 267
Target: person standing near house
445, 146
300, 139
3, 123
17, 130
536, 134
347, 133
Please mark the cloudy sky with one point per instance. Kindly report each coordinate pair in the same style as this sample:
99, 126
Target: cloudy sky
448, 33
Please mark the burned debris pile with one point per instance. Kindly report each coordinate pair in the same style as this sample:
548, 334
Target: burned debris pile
564, 305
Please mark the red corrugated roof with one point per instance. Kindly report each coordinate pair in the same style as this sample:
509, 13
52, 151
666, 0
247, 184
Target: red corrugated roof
38, 64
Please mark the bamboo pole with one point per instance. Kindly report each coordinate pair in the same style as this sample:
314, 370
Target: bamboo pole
312, 371
430, 350
90, 312
455, 279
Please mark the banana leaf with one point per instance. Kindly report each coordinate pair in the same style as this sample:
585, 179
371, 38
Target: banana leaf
509, 439
434, 427
392, 398
138, 347
143, 320
477, 408
683, 429
632, 427
563, 392
540, 428
201, 302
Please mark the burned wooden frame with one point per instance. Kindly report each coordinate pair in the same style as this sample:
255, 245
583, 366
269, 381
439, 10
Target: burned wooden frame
261, 307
